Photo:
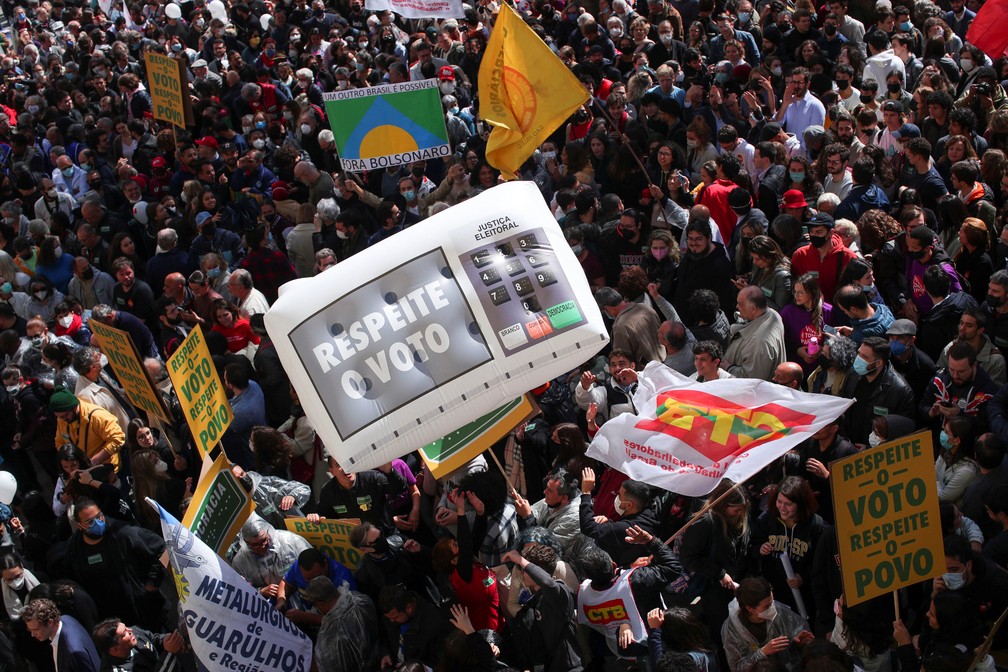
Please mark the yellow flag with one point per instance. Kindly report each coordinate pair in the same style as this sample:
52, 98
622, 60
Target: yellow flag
526, 92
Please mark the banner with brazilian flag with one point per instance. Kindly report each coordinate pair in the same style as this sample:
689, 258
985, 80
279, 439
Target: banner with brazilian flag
453, 450
690, 435
388, 125
526, 92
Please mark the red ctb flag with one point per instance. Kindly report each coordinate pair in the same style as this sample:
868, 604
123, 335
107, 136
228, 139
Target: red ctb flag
987, 29
691, 435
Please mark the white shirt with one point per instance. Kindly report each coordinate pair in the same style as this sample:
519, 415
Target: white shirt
254, 303
55, 643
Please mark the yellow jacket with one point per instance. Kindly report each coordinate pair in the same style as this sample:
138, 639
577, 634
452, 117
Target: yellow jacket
94, 430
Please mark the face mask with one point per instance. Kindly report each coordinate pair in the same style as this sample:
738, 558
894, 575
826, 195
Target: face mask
305, 129
342, 235
67, 172
258, 143
894, 87
34, 109
897, 348
213, 273
874, 439
260, 125
868, 289
615, 32
41, 295
577, 249
797, 176
97, 528
843, 84
66, 321
995, 301
917, 254
905, 26
548, 155
861, 366
721, 77
381, 546
17, 583
295, 37
178, 47
200, 23
447, 88
966, 64
776, 72
246, 129
945, 440
52, 193
768, 614
744, 17
161, 467
453, 110
409, 195
88, 273
867, 98
619, 505
818, 241
659, 253
830, 30
86, 167
691, 145
954, 580
13, 389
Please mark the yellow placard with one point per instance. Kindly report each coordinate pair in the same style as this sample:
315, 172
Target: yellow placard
164, 82
331, 536
219, 507
885, 500
122, 354
200, 391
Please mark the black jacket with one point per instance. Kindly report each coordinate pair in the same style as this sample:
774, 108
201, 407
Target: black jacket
611, 535
941, 326
888, 393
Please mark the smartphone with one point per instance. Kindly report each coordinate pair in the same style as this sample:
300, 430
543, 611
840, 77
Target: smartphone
829, 330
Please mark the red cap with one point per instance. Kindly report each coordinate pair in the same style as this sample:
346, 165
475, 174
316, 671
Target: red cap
207, 141
794, 198
446, 73
158, 162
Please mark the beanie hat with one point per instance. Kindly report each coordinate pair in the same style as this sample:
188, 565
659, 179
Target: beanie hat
62, 401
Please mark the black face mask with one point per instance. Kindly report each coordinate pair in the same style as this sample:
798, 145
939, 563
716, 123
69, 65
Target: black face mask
830, 30
381, 545
995, 301
818, 241
894, 87
88, 273
866, 99
917, 254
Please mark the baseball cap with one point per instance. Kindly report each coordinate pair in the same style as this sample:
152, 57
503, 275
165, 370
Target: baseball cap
822, 219
207, 141
892, 106
201, 218
906, 132
446, 73
902, 328
158, 162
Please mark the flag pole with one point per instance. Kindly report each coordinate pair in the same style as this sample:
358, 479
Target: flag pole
501, 467
707, 507
629, 146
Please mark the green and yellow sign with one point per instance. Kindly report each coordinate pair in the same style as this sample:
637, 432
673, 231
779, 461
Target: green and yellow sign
199, 390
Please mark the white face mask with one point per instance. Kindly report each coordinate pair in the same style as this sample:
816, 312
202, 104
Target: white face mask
66, 321
13, 389
305, 129
768, 614
966, 64
342, 235
874, 439
619, 505
58, 252
17, 583
258, 143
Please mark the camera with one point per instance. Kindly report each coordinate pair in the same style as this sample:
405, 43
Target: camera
982, 88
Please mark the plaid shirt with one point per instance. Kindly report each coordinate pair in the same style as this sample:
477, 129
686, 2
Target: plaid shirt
269, 269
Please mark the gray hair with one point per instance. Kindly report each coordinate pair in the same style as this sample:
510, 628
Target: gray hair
328, 209
324, 253
325, 135
11, 206
607, 297
102, 312
37, 228
243, 277
842, 351
254, 527
250, 91
167, 238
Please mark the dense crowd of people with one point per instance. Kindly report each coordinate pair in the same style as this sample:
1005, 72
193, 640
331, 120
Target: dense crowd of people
813, 194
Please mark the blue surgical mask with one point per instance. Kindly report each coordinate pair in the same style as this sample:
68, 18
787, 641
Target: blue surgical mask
213, 273
945, 440
744, 17
897, 347
97, 527
954, 580
721, 77
905, 26
861, 366
797, 177
409, 195
86, 167
67, 172
260, 125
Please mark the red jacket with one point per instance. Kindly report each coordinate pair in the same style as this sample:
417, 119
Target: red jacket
715, 197
807, 259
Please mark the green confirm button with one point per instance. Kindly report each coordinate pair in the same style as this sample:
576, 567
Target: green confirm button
563, 314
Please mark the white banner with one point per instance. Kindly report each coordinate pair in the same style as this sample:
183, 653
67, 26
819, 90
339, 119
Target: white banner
690, 435
230, 625
435, 326
420, 9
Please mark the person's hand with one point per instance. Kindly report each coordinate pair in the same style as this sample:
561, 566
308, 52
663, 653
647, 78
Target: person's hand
814, 466
776, 645
600, 519
795, 582
627, 376
269, 591
641, 562
591, 413
789, 96
715, 96
173, 643
803, 637
655, 190
766, 548
652, 289
476, 502
625, 636
740, 282
352, 185
655, 618
513, 557
948, 411
937, 586
286, 503
180, 463
446, 517
411, 546
909, 311
587, 480
520, 429
386, 663
522, 506
455, 173
900, 633
16, 526
803, 353
728, 582
460, 619
587, 380
313, 518
188, 488
845, 331
635, 534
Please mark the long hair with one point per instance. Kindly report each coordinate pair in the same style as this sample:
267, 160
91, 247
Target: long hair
810, 283
730, 528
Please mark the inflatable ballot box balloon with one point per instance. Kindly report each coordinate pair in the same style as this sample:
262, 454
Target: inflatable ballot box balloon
436, 326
